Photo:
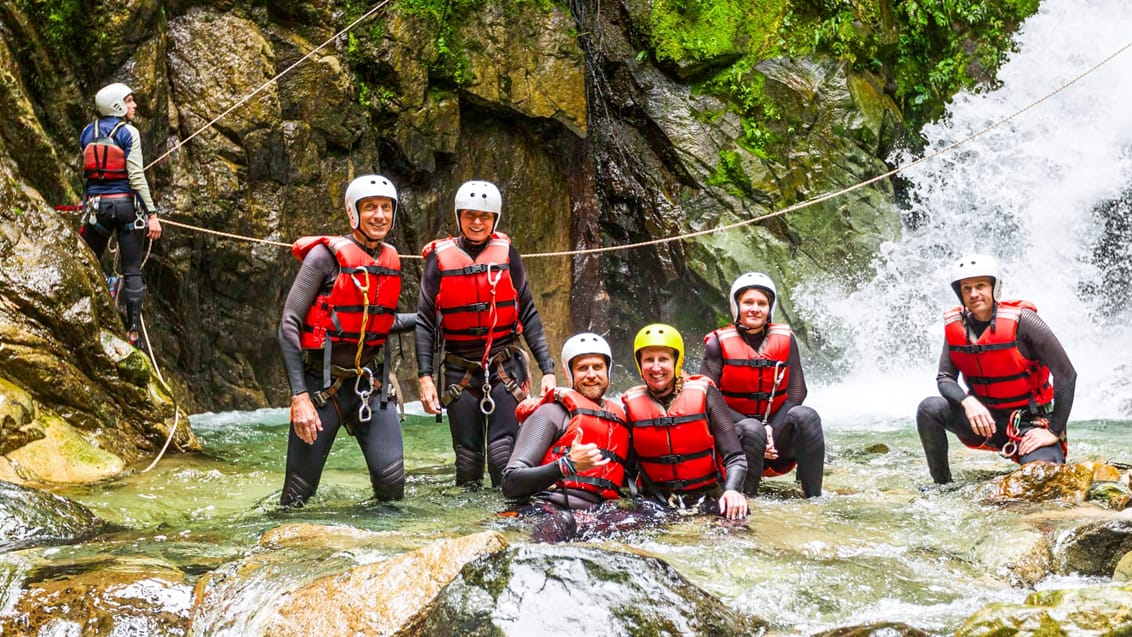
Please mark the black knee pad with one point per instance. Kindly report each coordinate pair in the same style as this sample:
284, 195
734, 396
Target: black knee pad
498, 453
389, 482
296, 491
469, 466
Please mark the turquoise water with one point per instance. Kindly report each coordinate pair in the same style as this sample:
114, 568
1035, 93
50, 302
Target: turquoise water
879, 546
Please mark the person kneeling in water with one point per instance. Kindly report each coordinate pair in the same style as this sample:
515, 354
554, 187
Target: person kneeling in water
571, 449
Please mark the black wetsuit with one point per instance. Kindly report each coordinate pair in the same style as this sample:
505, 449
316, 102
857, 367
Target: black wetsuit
798, 434
526, 477
937, 415
117, 212
465, 420
727, 447
380, 438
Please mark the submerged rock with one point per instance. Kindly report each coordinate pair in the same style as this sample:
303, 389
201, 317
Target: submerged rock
29, 517
101, 596
885, 629
1095, 548
556, 589
1099, 610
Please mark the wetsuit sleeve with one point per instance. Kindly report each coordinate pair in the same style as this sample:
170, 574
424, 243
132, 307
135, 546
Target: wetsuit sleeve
726, 440
525, 475
795, 386
426, 315
403, 322
318, 266
135, 169
947, 378
1037, 341
712, 363
528, 315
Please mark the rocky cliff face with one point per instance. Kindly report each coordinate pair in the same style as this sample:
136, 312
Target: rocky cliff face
254, 130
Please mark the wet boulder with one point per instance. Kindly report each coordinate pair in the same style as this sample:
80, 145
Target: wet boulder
1099, 610
100, 596
883, 629
555, 589
1095, 548
1041, 481
29, 517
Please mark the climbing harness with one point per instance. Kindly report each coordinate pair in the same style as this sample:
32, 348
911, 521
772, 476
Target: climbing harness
1014, 432
487, 403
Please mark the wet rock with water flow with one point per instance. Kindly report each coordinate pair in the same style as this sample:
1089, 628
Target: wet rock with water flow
1097, 610
1095, 548
558, 589
29, 517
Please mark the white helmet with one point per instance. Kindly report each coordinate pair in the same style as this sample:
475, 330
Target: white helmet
974, 265
752, 280
581, 344
368, 186
110, 100
479, 195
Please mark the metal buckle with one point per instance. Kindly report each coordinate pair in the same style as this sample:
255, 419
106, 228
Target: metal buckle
365, 412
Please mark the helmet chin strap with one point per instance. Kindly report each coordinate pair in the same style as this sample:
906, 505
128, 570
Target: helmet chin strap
368, 239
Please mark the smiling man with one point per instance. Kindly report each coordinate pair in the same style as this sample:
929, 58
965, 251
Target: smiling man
475, 302
338, 314
572, 446
1009, 359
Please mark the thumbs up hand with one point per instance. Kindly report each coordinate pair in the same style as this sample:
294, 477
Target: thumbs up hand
585, 455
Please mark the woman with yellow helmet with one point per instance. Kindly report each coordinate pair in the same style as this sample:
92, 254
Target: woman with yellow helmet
683, 436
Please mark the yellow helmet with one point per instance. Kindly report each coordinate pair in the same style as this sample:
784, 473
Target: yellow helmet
658, 334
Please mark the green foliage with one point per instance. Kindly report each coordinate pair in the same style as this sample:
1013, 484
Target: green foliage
60, 22
929, 49
451, 63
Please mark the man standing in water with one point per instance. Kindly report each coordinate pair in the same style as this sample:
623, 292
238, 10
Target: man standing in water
1006, 355
117, 194
475, 296
338, 314
572, 445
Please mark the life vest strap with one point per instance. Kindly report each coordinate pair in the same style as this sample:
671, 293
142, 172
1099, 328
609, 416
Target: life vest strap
475, 268
601, 483
979, 349
677, 458
605, 453
752, 362
600, 413
752, 395
667, 421
990, 380
681, 485
482, 306
372, 269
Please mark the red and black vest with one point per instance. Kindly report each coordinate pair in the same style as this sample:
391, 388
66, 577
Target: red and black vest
995, 371
476, 297
675, 447
602, 425
103, 158
747, 376
362, 303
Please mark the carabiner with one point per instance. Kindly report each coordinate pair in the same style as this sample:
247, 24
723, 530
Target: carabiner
1009, 450
365, 412
494, 281
487, 404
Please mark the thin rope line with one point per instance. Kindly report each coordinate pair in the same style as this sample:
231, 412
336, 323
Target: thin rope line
268, 83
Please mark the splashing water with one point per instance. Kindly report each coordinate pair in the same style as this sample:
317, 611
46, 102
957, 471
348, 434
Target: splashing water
1031, 192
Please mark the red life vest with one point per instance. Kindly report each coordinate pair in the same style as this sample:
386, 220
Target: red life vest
470, 306
341, 314
675, 447
103, 158
994, 370
747, 377
603, 426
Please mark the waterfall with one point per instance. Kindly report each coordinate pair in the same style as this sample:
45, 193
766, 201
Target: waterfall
1048, 194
